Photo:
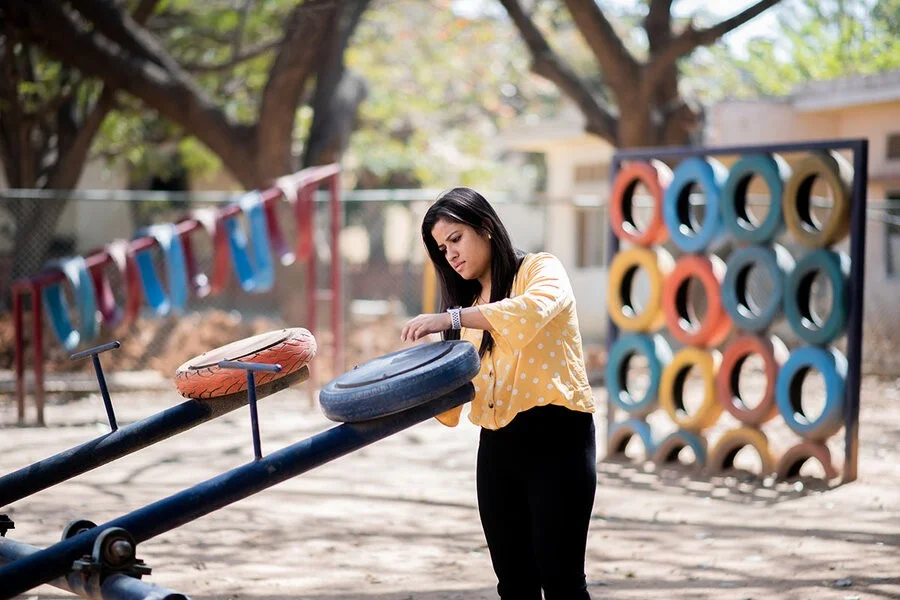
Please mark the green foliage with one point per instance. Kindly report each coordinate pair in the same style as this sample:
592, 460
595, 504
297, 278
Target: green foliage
813, 40
204, 38
442, 83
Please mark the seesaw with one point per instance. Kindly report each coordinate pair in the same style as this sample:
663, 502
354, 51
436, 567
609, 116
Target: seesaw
373, 401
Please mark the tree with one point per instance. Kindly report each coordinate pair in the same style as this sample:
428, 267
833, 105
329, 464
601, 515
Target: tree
641, 103
196, 67
813, 40
435, 101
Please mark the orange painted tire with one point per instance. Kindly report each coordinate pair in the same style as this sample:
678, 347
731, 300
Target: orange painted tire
202, 378
721, 458
657, 264
791, 461
671, 388
774, 354
715, 325
656, 178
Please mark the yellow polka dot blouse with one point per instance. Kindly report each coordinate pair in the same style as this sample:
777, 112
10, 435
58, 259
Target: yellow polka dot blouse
537, 357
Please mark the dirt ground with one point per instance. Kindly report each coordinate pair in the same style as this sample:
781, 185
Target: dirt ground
398, 520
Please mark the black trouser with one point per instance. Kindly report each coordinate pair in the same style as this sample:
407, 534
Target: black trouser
536, 482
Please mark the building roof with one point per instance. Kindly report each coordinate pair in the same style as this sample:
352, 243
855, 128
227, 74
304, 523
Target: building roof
847, 91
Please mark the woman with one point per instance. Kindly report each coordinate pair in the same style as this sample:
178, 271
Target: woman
536, 470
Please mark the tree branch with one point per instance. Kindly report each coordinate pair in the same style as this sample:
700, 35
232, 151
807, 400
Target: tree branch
338, 93
72, 158
690, 39
619, 66
120, 28
300, 51
248, 53
170, 91
144, 10
548, 65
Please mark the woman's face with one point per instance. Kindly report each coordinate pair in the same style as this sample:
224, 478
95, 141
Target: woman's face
467, 251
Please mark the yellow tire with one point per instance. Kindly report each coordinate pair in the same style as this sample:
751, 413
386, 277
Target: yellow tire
837, 173
671, 388
721, 458
657, 265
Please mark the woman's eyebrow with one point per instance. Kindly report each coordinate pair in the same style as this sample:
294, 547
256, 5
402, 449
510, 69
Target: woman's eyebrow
451, 234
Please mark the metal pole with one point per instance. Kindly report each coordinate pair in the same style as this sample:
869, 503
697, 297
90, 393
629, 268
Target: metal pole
685, 151
857, 300
19, 355
128, 439
337, 293
101, 380
114, 587
250, 367
612, 332
204, 498
37, 314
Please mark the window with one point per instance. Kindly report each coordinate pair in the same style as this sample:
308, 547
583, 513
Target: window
892, 235
591, 236
893, 146
592, 172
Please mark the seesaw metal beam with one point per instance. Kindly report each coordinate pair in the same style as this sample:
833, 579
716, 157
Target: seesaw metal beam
125, 440
190, 504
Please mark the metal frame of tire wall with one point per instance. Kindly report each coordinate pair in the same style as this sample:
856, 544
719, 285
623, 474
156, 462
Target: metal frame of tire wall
846, 418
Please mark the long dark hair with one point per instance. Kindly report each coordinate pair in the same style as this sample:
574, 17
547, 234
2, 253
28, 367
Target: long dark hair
465, 205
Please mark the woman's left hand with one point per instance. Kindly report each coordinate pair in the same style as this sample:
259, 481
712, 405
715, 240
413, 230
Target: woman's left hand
423, 325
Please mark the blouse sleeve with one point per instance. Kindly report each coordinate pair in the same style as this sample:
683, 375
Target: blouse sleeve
451, 417
516, 321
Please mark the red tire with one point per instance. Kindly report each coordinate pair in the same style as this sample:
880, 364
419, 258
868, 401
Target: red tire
202, 378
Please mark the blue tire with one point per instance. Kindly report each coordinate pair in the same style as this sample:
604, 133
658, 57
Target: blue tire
76, 273
668, 449
399, 381
621, 433
833, 367
709, 175
735, 217
658, 353
740, 306
812, 329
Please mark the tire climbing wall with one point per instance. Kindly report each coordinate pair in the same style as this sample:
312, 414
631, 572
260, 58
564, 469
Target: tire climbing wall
697, 312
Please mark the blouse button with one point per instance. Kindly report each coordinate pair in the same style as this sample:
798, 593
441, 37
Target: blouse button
490, 406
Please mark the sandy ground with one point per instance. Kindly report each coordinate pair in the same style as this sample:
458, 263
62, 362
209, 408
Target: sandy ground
398, 520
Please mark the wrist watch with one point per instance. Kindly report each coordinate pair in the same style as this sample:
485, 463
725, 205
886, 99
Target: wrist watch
455, 322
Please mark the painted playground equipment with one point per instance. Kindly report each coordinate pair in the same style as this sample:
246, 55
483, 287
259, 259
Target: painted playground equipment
675, 338
375, 400
249, 254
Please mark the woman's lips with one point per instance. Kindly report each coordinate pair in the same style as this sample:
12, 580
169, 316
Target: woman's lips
459, 266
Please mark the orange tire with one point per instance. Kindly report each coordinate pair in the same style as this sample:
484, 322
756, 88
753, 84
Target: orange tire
202, 378
715, 325
656, 178
774, 354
